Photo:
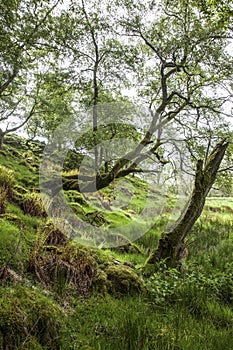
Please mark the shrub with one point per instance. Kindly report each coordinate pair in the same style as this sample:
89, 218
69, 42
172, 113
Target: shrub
53, 236
163, 284
6, 178
193, 286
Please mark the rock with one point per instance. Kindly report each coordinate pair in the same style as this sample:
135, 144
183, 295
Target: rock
121, 280
116, 262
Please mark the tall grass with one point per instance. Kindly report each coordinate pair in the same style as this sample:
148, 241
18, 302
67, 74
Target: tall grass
132, 324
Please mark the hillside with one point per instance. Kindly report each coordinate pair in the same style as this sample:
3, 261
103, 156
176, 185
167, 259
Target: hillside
56, 293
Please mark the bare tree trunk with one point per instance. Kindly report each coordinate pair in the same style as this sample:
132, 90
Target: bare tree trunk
172, 243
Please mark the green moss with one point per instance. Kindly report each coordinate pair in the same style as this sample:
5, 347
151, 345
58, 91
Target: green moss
15, 247
30, 223
100, 282
32, 205
117, 218
28, 318
122, 280
76, 197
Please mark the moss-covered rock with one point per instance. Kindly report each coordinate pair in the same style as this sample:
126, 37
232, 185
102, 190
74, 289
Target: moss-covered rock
122, 280
100, 282
28, 319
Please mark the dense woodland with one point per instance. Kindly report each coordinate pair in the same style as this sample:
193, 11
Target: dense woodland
116, 187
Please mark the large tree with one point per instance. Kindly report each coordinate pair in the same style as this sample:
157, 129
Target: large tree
181, 70
185, 64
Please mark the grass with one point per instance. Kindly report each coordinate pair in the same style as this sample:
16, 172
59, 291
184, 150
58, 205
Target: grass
220, 202
135, 323
25, 175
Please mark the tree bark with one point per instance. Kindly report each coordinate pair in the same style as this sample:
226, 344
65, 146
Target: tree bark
2, 134
172, 243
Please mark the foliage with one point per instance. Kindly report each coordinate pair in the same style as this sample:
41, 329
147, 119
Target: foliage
187, 310
7, 178
57, 58
24, 26
169, 285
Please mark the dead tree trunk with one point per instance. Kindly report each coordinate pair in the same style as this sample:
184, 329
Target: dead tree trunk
172, 243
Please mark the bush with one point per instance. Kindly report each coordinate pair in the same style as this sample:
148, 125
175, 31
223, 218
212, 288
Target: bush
163, 284
6, 178
169, 285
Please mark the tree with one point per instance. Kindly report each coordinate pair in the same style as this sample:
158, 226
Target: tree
54, 103
24, 27
96, 58
185, 64
172, 243
186, 67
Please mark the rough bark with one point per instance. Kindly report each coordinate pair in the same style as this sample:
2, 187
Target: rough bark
1, 138
172, 243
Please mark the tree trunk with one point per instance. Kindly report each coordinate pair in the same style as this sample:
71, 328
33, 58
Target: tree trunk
172, 243
2, 134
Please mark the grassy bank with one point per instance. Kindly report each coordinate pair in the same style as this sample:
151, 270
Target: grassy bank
57, 294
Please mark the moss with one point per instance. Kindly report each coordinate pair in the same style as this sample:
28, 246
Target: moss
12, 218
32, 205
116, 219
100, 282
122, 280
10, 248
76, 197
28, 318
6, 182
66, 268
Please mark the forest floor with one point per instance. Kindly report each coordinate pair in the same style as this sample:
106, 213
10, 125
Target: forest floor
58, 294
